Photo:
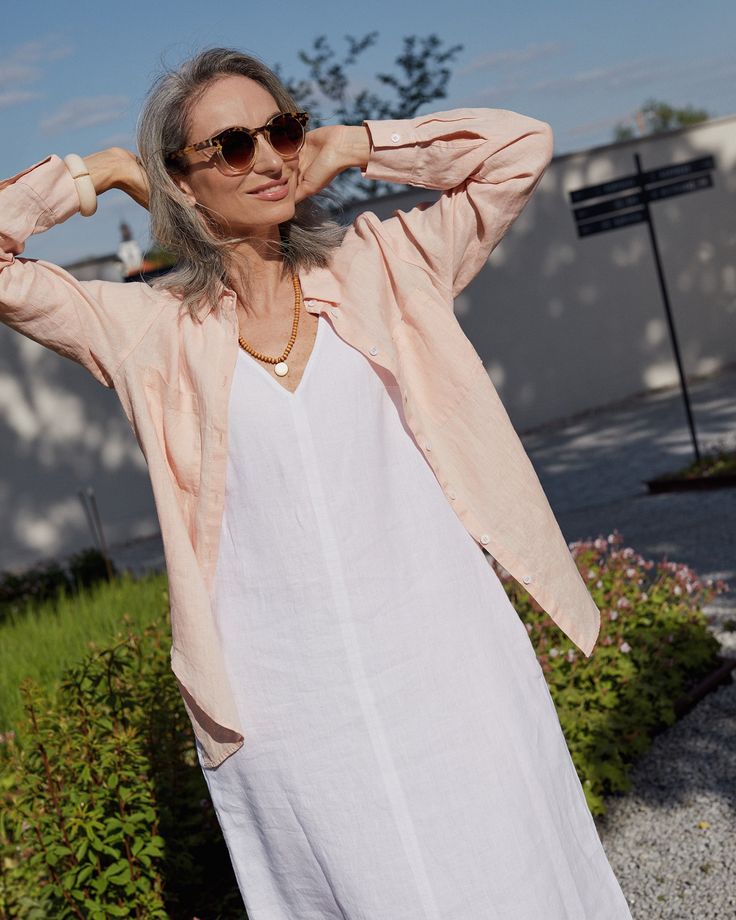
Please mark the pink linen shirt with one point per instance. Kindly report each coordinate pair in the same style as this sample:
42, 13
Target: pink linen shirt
389, 291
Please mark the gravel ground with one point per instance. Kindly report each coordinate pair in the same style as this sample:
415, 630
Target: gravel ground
672, 840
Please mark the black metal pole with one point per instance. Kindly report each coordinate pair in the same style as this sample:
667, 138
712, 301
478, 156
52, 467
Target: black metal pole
668, 311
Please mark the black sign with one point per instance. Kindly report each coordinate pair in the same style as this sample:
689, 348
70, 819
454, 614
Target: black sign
606, 188
612, 223
606, 207
626, 210
680, 188
637, 180
679, 169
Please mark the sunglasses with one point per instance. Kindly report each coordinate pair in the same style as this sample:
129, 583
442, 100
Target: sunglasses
236, 147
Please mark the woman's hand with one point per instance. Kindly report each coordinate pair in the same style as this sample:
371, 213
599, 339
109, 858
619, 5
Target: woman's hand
326, 153
118, 168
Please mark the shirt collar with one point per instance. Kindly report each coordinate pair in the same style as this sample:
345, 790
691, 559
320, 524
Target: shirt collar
318, 284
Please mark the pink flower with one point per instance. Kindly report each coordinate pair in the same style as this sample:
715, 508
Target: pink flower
625, 648
553, 652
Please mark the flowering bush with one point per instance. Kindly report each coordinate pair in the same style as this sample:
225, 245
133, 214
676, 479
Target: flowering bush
653, 646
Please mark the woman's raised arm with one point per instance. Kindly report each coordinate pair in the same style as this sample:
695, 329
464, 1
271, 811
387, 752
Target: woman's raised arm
487, 162
95, 323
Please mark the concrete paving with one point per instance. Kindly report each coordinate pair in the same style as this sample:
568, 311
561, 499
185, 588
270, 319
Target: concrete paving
593, 469
669, 840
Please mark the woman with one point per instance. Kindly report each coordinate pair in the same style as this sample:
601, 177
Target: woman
329, 459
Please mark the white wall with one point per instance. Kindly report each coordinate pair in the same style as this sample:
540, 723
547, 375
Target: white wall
566, 324
562, 325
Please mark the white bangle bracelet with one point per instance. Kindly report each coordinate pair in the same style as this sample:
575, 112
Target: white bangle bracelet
84, 184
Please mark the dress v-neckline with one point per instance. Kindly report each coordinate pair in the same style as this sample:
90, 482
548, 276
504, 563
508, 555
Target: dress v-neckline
291, 394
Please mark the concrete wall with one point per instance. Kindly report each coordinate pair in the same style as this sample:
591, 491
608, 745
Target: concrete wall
566, 324
562, 325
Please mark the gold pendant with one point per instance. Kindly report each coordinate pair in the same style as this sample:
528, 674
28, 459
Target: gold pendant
281, 369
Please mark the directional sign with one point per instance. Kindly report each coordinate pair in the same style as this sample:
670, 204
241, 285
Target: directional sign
678, 170
637, 180
606, 207
633, 208
680, 188
605, 188
612, 223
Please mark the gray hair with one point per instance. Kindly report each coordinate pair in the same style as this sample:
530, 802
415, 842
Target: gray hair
203, 256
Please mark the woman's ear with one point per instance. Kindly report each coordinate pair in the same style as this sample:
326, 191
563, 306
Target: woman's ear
181, 182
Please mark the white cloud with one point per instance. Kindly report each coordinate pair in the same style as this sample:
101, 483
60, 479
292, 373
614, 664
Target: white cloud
500, 93
601, 124
514, 56
24, 65
626, 73
16, 96
83, 112
643, 72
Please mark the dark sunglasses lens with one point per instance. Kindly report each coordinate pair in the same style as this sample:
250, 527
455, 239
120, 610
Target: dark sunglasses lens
286, 134
237, 149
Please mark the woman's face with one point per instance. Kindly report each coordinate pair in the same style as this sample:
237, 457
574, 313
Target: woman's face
228, 102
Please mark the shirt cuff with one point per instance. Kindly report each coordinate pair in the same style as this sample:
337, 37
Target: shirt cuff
393, 152
52, 186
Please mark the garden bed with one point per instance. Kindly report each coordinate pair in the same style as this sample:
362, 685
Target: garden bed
714, 470
718, 677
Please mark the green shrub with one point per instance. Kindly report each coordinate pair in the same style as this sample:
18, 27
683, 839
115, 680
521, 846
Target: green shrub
654, 645
106, 812
47, 581
42, 640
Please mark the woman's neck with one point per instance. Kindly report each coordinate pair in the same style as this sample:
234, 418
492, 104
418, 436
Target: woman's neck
258, 277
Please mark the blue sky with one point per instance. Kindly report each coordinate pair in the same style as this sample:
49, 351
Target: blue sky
73, 75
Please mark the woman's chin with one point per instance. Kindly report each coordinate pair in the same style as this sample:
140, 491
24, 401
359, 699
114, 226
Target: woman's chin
262, 228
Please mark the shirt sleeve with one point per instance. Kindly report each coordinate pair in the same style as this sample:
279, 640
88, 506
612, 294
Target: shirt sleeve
95, 323
487, 162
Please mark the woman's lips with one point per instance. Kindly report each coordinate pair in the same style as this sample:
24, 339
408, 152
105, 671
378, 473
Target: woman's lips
274, 193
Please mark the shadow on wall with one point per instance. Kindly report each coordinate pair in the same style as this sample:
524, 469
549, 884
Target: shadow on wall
566, 324
561, 324
62, 431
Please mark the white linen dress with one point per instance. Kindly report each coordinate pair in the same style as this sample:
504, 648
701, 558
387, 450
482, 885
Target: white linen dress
402, 759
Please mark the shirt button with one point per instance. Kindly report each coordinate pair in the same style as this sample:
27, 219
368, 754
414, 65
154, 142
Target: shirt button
527, 579
373, 350
451, 494
428, 445
485, 539
334, 312
309, 303
395, 138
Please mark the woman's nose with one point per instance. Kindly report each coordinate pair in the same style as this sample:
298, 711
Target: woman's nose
266, 157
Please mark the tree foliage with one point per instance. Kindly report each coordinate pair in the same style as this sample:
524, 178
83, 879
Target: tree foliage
421, 76
656, 117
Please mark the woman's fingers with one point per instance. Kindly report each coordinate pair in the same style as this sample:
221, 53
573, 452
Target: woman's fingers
116, 167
